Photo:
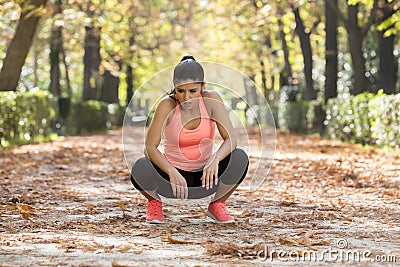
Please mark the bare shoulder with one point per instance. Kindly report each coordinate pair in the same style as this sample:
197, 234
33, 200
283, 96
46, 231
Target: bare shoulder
214, 103
164, 109
166, 103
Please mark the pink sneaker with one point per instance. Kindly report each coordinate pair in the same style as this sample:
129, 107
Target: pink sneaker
154, 212
217, 211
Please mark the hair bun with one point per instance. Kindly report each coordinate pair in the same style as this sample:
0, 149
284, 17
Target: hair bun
188, 57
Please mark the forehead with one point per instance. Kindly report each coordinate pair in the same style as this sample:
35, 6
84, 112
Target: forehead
188, 85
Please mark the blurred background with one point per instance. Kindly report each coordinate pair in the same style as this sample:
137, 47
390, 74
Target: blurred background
329, 67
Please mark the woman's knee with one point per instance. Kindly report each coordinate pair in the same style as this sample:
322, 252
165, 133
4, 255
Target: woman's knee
141, 166
237, 167
239, 156
141, 172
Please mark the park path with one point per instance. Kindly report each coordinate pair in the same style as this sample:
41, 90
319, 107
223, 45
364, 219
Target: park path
70, 203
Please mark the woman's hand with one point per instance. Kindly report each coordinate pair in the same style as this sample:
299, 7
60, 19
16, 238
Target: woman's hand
210, 173
178, 184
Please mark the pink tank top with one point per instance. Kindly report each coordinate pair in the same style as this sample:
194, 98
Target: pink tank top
189, 149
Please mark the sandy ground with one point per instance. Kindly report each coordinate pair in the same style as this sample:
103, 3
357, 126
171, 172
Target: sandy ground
324, 202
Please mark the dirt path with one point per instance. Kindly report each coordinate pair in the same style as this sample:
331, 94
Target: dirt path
70, 203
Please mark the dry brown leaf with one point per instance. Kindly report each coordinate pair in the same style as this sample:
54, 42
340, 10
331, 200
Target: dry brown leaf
287, 241
26, 210
172, 240
11, 207
199, 215
23, 208
124, 248
116, 264
89, 225
306, 240
110, 247
231, 249
90, 207
321, 243
137, 251
121, 205
245, 213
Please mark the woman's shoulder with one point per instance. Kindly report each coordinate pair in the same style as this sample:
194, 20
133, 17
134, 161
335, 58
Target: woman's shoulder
167, 102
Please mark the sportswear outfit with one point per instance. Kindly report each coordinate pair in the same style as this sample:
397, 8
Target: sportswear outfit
188, 151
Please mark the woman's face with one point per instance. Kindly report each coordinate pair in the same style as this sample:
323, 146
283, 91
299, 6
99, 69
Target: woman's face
188, 93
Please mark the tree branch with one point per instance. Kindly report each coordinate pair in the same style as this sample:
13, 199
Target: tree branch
315, 25
365, 28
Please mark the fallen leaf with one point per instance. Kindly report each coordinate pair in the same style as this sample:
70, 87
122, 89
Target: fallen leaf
26, 210
172, 240
116, 264
287, 241
124, 248
90, 207
121, 205
137, 251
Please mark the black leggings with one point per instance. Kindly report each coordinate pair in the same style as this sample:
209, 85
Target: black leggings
147, 176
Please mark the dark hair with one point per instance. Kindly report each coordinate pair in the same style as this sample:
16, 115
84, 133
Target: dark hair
188, 69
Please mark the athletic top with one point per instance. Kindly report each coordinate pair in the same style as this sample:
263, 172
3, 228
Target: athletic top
189, 149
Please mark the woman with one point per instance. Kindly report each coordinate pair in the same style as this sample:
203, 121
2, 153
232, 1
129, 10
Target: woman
188, 168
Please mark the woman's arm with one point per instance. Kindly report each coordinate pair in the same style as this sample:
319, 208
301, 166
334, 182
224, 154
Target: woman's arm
219, 114
153, 139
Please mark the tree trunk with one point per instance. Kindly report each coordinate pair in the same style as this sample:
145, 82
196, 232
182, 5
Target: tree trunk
129, 76
35, 64
305, 44
109, 89
91, 60
331, 64
19, 47
251, 92
387, 64
355, 45
69, 90
288, 67
263, 77
129, 84
55, 47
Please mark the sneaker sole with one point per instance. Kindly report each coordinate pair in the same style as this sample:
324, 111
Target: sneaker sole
155, 222
209, 214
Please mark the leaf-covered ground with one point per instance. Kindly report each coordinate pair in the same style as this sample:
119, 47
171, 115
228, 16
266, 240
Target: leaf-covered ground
70, 203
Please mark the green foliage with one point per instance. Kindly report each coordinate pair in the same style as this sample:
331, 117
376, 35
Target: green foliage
385, 116
93, 116
391, 25
300, 116
28, 117
365, 118
25, 117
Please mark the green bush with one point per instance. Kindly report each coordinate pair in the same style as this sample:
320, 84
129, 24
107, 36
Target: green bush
25, 116
29, 116
93, 116
365, 118
300, 116
385, 120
